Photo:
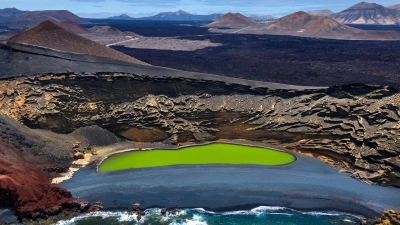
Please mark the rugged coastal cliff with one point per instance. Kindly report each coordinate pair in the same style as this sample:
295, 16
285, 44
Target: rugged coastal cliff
353, 127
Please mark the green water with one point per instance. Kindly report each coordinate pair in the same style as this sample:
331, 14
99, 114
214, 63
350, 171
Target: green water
217, 153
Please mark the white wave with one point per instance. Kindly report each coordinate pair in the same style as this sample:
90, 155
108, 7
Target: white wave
268, 208
200, 214
201, 210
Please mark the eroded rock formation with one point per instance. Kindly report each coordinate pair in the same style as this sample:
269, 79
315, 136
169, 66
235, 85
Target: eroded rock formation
353, 127
389, 217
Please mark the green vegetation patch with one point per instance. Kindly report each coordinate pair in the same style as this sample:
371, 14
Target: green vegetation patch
217, 153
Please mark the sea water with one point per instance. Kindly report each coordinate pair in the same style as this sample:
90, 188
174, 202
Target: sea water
263, 215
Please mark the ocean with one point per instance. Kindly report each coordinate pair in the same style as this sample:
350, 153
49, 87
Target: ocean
263, 215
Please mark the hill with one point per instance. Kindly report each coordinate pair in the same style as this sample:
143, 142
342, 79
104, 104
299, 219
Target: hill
306, 25
121, 17
34, 17
51, 36
367, 13
73, 27
232, 20
324, 12
107, 35
181, 16
10, 13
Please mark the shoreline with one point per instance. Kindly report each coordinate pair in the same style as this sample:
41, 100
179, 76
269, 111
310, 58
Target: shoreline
306, 185
241, 142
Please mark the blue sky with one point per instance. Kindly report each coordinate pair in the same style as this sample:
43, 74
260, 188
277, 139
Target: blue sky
139, 8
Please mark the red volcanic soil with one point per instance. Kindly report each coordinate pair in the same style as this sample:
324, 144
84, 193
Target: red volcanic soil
73, 27
50, 35
27, 189
232, 20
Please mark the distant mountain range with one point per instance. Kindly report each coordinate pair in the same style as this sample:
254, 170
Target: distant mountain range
306, 25
232, 20
262, 19
324, 12
182, 16
121, 17
368, 13
28, 19
10, 13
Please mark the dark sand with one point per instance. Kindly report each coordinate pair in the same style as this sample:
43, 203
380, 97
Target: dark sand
306, 184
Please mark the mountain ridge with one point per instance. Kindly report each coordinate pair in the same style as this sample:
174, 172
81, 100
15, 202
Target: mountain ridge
368, 13
305, 25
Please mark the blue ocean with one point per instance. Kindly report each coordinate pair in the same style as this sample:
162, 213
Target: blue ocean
263, 215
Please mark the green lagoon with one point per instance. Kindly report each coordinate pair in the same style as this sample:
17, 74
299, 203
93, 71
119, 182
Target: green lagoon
217, 153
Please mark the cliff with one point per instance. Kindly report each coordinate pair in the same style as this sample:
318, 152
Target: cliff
352, 127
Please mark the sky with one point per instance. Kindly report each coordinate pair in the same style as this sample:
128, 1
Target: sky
141, 8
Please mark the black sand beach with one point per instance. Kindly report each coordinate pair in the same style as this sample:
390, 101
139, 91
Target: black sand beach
306, 184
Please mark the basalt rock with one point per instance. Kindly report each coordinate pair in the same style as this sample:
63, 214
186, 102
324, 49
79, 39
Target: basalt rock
354, 127
389, 217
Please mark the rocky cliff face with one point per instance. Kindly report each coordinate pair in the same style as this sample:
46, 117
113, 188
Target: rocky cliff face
353, 127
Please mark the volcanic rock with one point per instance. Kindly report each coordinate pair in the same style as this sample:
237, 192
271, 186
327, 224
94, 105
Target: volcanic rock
79, 155
73, 27
367, 13
351, 127
389, 217
303, 24
136, 207
232, 20
52, 36
164, 211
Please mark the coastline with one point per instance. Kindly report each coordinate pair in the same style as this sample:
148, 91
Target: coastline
307, 184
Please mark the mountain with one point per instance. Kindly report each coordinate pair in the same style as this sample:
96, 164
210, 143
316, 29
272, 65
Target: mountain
107, 30
324, 12
73, 27
262, 19
34, 17
367, 13
397, 6
232, 20
182, 16
51, 36
10, 13
121, 17
306, 25
107, 35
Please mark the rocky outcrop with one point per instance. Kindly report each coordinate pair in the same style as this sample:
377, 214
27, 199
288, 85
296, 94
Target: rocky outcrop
352, 127
389, 217
32, 195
